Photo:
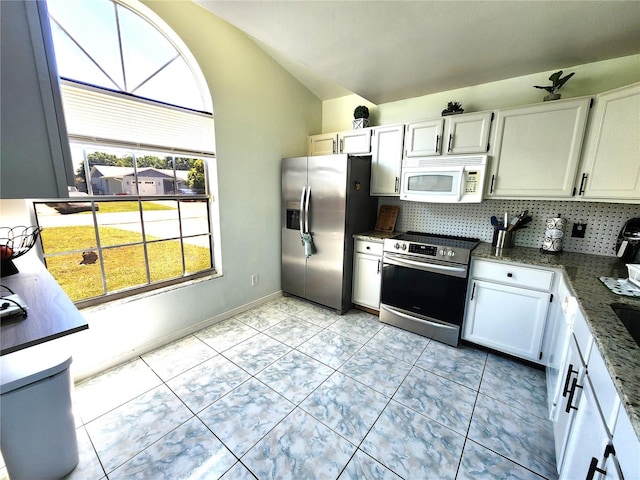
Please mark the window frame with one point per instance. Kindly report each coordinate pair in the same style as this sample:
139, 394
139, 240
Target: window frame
150, 285
201, 146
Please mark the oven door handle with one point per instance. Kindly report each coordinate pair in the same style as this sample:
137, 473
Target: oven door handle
391, 259
414, 317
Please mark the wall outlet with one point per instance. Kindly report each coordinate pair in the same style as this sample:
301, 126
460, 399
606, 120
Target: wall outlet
578, 230
254, 279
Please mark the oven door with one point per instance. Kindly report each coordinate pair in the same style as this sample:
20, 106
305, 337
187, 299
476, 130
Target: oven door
426, 299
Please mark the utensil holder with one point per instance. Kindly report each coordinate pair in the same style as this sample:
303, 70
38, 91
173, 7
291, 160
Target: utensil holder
503, 239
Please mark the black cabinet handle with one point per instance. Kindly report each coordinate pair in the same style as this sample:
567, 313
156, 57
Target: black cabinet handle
437, 143
334, 146
574, 386
493, 178
593, 468
583, 184
567, 379
510, 275
450, 140
379, 262
473, 291
396, 188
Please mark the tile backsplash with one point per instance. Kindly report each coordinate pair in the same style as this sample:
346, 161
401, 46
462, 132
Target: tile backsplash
604, 220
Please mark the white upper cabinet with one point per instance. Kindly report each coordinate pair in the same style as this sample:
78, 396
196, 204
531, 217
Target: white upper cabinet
610, 167
323, 144
537, 149
424, 138
452, 135
467, 133
355, 142
386, 161
36, 159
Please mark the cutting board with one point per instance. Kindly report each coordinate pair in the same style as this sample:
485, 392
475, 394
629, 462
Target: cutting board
387, 217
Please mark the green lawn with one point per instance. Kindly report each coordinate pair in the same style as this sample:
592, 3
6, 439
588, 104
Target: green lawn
124, 265
129, 206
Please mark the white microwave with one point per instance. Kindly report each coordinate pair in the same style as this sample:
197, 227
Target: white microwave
451, 179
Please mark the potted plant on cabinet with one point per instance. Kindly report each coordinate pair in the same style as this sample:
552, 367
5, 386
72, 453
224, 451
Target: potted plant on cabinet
557, 81
453, 108
360, 117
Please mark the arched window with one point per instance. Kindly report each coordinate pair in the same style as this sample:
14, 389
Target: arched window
108, 44
140, 122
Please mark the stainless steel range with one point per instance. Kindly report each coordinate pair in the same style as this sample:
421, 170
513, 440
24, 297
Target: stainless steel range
424, 283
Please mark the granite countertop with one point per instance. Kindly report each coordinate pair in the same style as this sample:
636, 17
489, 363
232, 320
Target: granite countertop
620, 352
375, 236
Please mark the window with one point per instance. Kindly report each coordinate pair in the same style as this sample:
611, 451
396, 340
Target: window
140, 126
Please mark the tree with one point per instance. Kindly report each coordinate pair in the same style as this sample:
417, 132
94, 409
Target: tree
95, 158
152, 161
196, 176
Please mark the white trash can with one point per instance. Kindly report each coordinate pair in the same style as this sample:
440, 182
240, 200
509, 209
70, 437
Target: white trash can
37, 429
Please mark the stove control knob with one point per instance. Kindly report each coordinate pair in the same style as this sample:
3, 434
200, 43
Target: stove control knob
442, 252
451, 253
397, 246
404, 246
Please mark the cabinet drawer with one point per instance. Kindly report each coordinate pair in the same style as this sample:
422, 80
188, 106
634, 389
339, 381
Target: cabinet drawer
372, 248
510, 274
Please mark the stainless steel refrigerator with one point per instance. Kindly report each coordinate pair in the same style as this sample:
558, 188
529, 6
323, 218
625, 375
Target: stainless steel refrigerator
325, 200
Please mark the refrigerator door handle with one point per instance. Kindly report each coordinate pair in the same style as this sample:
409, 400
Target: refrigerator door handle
306, 210
302, 195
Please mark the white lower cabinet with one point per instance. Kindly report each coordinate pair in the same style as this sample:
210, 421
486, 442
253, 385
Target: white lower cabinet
574, 369
628, 446
367, 268
598, 441
559, 326
503, 316
589, 445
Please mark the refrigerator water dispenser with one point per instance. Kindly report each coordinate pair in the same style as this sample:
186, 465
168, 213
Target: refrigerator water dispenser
293, 216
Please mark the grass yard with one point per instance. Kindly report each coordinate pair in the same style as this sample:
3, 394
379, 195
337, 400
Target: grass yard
124, 265
130, 206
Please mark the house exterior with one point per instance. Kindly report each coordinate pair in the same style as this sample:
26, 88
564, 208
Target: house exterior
110, 180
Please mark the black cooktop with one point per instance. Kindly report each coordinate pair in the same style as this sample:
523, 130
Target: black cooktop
439, 240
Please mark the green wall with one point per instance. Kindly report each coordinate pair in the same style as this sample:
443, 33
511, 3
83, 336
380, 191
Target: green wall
589, 79
262, 114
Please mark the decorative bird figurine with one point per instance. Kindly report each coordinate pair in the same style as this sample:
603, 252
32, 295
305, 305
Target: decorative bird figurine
557, 81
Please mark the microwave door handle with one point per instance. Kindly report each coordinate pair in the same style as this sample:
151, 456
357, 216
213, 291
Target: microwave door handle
306, 209
460, 183
302, 195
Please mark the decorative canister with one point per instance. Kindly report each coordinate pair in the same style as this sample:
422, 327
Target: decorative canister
553, 235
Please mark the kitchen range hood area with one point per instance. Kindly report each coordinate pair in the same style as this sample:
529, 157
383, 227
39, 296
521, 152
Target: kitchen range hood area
306, 356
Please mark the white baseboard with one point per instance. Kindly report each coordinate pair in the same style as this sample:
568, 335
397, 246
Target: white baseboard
82, 375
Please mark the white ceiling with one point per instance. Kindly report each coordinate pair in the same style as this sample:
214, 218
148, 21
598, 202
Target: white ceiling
392, 50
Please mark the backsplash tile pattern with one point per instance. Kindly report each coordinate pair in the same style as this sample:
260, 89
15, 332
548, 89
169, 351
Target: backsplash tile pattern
604, 220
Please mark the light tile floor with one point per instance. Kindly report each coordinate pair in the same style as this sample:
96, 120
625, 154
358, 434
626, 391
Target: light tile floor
293, 391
